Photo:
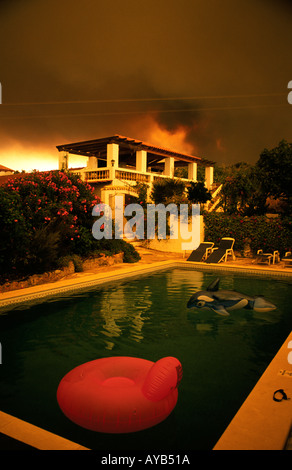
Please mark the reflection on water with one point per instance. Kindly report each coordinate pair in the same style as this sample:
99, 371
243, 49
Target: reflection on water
222, 357
123, 310
119, 308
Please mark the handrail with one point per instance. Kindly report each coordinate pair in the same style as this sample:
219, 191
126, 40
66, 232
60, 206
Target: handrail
110, 173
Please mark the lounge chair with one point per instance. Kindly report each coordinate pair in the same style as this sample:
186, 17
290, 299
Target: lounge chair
201, 253
287, 259
220, 253
269, 258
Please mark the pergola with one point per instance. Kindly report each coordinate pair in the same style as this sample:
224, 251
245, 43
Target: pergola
128, 147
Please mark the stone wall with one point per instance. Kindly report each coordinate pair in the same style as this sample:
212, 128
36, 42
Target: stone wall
58, 274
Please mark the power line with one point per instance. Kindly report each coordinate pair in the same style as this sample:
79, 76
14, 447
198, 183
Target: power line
131, 100
157, 111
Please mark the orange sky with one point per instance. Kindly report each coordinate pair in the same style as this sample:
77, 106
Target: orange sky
18, 157
213, 74
41, 160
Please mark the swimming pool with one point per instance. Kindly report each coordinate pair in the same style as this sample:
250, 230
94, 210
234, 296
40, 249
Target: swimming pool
222, 357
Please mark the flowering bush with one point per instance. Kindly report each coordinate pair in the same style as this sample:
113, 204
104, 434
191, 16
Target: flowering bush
42, 216
262, 232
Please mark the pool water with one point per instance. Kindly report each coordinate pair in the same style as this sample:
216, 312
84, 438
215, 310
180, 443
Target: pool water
145, 317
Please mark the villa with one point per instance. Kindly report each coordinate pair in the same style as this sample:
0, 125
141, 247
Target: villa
115, 164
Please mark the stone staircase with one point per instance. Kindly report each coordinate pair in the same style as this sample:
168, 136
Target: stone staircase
213, 205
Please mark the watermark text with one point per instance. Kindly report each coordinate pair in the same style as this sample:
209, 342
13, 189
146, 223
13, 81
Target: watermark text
289, 97
150, 224
290, 353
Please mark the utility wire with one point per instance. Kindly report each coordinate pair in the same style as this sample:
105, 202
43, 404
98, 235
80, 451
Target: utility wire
131, 100
157, 111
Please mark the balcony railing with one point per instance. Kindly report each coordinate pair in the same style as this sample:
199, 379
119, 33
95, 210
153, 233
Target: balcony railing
97, 175
102, 174
106, 174
130, 175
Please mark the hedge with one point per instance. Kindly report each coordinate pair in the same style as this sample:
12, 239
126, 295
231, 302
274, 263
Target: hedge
261, 232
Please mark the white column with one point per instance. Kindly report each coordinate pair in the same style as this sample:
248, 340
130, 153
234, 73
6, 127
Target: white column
192, 171
169, 167
92, 163
209, 174
63, 160
104, 196
141, 161
150, 186
112, 158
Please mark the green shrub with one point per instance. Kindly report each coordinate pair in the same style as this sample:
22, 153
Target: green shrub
44, 250
64, 261
112, 247
77, 261
198, 193
269, 234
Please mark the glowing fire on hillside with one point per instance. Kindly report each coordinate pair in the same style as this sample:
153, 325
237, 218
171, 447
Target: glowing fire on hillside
149, 129
174, 140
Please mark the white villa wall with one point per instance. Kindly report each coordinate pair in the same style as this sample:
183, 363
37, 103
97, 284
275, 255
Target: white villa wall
172, 245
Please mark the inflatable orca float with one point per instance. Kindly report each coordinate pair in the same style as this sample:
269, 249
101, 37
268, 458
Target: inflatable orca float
223, 300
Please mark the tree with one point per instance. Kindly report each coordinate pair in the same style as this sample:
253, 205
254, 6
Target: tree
198, 193
275, 173
241, 191
168, 190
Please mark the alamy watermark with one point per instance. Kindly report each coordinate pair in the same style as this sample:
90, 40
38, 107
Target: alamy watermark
289, 97
148, 225
290, 353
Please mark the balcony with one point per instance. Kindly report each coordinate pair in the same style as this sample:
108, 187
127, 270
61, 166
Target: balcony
118, 158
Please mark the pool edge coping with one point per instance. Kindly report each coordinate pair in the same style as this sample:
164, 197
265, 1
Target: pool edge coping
34, 436
44, 440
43, 291
85, 281
262, 423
